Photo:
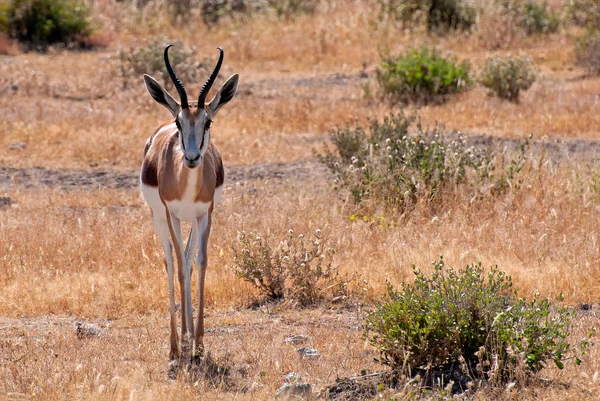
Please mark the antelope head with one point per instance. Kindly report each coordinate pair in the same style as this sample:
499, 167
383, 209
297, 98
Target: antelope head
193, 123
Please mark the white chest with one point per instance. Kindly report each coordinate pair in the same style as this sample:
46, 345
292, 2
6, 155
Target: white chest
188, 210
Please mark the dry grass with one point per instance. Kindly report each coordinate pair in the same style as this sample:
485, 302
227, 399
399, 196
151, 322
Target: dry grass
93, 254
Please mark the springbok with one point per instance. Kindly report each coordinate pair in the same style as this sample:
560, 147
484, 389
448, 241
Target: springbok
182, 179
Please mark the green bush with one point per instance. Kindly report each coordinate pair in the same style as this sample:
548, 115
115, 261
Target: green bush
407, 12
289, 8
531, 16
214, 10
40, 23
444, 15
389, 167
299, 270
584, 13
441, 15
148, 59
472, 322
4, 25
507, 77
422, 76
587, 51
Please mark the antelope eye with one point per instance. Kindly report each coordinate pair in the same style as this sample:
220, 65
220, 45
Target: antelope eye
207, 125
178, 125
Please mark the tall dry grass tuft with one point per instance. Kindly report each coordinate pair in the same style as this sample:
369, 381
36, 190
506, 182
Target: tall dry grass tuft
94, 253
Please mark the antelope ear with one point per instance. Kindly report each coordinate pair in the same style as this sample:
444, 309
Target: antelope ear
161, 96
224, 95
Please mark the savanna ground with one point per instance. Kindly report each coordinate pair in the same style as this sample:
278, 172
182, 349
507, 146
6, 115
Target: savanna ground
77, 244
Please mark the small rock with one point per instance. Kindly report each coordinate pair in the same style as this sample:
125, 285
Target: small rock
292, 377
5, 201
17, 146
586, 307
86, 330
308, 352
294, 392
297, 340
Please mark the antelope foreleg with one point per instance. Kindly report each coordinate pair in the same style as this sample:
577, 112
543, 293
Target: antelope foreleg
162, 230
184, 278
204, 224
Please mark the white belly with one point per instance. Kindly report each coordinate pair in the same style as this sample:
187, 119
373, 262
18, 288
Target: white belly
185, 209
188, 210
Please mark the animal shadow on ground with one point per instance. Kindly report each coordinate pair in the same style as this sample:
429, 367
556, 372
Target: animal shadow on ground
220, 374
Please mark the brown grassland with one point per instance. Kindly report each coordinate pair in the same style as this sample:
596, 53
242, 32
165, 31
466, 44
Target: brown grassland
91, 254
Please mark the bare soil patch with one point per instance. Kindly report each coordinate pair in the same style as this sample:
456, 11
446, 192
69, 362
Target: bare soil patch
240, 346
557, 150
79, 179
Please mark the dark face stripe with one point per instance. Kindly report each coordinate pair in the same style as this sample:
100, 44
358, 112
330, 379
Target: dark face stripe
202, 143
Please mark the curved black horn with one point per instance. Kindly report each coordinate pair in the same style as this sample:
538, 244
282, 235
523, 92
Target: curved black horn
176, 81
211, 80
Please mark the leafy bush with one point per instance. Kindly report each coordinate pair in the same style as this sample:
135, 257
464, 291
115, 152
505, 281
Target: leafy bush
444, 15
584, 13
214, 10
441, 15
40, 23
531, 16
507, 77
300, 269
472, 321
407, 12
148, 59
587, 51
396, 170
422, 76
289, 8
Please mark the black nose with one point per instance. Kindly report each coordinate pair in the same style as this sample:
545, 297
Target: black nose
194, 159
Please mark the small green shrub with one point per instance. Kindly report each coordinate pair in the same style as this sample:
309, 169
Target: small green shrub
214, 10
447, 15
39, 23
471, 321
533, 17
584, 13
538, 19
406, 12
300, 269
441, 15
388, 166
4, 24
148, 59
422, 76
587, 51
289, 8
507, 77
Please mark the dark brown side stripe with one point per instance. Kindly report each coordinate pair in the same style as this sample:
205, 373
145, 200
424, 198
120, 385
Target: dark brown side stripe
149, 175
220, 172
